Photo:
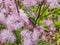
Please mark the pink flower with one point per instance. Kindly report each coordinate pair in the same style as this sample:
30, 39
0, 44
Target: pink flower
59, 18
43, 38
23, 16
26, 34
0, 1
19, 25
23, 32
53, 3
52, 28
2, 18
10, 7
50, 33
35, 35
39, 1
7, 36
12, 18
27, 42
49, 1
26, 37
29, 3
41, 29
47, 22
13, 22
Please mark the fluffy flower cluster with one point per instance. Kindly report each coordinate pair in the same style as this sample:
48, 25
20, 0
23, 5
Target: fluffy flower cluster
12, 19
31, 37
29, 3
7, 36
8, 12
51, 3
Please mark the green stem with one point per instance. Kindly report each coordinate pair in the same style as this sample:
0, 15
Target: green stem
44, 11
39, 7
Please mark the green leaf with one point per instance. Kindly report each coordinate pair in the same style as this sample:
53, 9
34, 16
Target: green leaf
57, 24
11, 43
26, 11
40, 22
2, 26
8, 43
45, 28
18, 36
33, 21
19, 29
43, 43
58, 42
15, 44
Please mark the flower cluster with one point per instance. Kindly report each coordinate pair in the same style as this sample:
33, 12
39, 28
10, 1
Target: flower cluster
14, 17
